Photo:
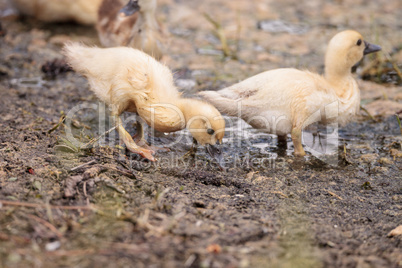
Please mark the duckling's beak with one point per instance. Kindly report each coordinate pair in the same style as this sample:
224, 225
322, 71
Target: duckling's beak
370, 48
129, 9
215, 152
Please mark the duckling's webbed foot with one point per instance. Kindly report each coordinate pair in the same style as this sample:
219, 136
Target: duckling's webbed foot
148, 154
296, 138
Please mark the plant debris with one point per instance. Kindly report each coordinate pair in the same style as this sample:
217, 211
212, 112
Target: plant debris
70, 197
53, 68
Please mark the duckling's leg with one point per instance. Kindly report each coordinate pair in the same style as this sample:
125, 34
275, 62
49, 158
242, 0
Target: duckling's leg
131, 145
296, 138
193, 150
141, 141
282, 141
139, 135
282, 145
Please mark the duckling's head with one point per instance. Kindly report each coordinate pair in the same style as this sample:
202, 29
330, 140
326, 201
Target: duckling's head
133, 6
345, 50
205, 124
130, 8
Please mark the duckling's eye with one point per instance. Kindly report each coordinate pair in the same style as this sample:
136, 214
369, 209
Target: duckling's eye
359, 42
210, 131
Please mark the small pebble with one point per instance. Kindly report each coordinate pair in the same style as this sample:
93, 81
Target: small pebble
52, 246
385, 161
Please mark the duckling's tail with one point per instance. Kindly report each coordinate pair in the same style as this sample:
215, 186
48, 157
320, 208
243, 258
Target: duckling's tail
76, 54
86, 61
223, 104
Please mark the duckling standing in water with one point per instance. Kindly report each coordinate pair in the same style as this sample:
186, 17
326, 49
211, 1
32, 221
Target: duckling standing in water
129, 80
133, 25
81, 11
287, 100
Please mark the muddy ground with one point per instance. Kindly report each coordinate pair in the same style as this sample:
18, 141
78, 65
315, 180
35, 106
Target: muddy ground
65, 206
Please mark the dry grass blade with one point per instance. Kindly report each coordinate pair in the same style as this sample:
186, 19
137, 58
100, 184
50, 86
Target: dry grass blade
220, 33
98, 138
47, 224
394, 65
83, 165
368, 113
36, 205
399, 123
61, 121
280, 194
71, 253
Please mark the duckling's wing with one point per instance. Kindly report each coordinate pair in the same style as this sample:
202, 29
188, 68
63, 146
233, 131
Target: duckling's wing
247, 91
272, 90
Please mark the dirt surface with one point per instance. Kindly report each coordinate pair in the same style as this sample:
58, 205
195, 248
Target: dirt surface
65, 206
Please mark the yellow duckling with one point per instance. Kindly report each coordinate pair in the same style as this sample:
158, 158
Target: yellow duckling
132, 25
81, 11
287, 100
130, 80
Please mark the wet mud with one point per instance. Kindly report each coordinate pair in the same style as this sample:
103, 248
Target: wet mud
71, 195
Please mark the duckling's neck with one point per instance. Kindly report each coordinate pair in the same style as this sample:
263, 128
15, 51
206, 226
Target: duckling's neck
340, 78
187, 106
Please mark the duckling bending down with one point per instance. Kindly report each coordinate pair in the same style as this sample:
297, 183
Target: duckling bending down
81, 11
283, 101
133, 25
129, 80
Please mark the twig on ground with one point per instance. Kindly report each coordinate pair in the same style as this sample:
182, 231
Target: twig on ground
84, 188
280, 193
47, 224
37, 205
14, 238
334, 194
98, 138
123, 172
83, 165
